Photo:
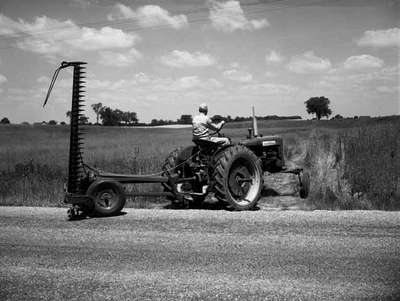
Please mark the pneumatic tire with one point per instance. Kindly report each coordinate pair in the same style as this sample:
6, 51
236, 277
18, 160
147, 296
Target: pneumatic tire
108, 198
238, 178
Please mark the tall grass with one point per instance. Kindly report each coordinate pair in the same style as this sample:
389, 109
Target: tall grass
357, 168
372, 156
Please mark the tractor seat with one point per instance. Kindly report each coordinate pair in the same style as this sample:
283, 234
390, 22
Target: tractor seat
204, 144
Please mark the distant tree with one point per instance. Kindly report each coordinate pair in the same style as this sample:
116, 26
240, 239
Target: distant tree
83, 119
5, 121
132, 116
112, 117
62, 123
318, 106
185, 119
68, 114
108, 117
217, 118
97, 108
338, 116
52, 122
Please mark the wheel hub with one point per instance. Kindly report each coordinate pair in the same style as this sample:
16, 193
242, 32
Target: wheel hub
239, 181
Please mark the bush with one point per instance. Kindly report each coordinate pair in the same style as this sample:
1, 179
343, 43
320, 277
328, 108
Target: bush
5, 120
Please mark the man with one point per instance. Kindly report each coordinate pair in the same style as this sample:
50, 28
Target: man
202, 124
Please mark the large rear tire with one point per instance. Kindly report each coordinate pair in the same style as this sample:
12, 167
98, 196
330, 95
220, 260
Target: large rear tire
238, 178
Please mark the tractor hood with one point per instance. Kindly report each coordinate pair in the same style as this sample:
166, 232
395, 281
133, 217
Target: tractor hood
263, 141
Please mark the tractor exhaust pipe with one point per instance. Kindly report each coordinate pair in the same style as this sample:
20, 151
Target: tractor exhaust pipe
255, 128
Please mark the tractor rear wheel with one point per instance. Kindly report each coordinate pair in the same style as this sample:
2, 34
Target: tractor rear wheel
238, 178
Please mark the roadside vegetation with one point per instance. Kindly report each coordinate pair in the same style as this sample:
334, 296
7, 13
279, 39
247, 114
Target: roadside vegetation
354, 164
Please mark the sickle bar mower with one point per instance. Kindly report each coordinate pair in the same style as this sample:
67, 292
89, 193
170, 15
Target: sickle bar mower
88, 190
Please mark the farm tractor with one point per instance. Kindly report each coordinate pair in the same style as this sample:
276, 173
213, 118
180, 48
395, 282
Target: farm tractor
232, 173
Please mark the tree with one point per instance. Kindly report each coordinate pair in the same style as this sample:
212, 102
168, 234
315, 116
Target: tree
318, 106
52, 122
5, 121
108, 117
97, 108
337, 116
68, 114
83, 119
185, 119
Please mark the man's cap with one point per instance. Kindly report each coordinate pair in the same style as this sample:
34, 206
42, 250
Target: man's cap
203, 107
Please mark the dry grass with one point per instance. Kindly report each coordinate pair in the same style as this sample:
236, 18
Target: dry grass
353, 164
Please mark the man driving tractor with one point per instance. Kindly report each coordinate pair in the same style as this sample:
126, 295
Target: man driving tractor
202, 124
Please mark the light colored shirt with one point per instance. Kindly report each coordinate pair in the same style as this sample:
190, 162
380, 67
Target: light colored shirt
201, 124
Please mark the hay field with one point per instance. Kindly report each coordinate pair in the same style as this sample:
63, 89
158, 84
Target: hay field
353, 163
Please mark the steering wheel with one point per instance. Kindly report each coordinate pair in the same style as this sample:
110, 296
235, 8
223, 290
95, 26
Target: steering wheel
217, 132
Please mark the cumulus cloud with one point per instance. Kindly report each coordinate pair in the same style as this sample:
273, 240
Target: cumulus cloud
229, 16
308, 62
362, 61
237, 75
3, 79
148, 15
270, 88
49, 36
181, 59
118, 59
273, 57
381, 38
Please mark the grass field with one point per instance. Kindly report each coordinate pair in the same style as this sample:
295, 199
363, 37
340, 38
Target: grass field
354, 164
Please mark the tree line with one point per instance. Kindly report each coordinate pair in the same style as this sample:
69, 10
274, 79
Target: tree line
116, 117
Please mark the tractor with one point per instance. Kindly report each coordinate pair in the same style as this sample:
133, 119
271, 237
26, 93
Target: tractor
233, 173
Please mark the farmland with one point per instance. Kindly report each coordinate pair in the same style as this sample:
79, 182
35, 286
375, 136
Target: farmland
353, 163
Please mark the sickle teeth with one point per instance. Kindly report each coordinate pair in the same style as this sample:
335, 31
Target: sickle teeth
76, 140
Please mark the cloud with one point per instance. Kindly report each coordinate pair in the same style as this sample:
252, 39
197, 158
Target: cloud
237, 75
3, 79
43, 79
273, 57
118, 59
49, 36
386, 89
270, 88
381, 38
180, 59
308, 63
362, 61
229, 16
148, 16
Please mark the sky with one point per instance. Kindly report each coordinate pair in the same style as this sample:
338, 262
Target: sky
163, 58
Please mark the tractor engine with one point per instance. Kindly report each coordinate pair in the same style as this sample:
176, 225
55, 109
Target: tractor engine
270, 151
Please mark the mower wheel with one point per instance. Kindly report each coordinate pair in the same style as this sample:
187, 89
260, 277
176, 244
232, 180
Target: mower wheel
108, 198
238, 178
304, 184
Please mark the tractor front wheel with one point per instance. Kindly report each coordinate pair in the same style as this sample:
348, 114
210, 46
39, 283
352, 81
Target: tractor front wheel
238, 178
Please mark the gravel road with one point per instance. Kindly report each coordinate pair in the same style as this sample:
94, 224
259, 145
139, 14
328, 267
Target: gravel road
200, 255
